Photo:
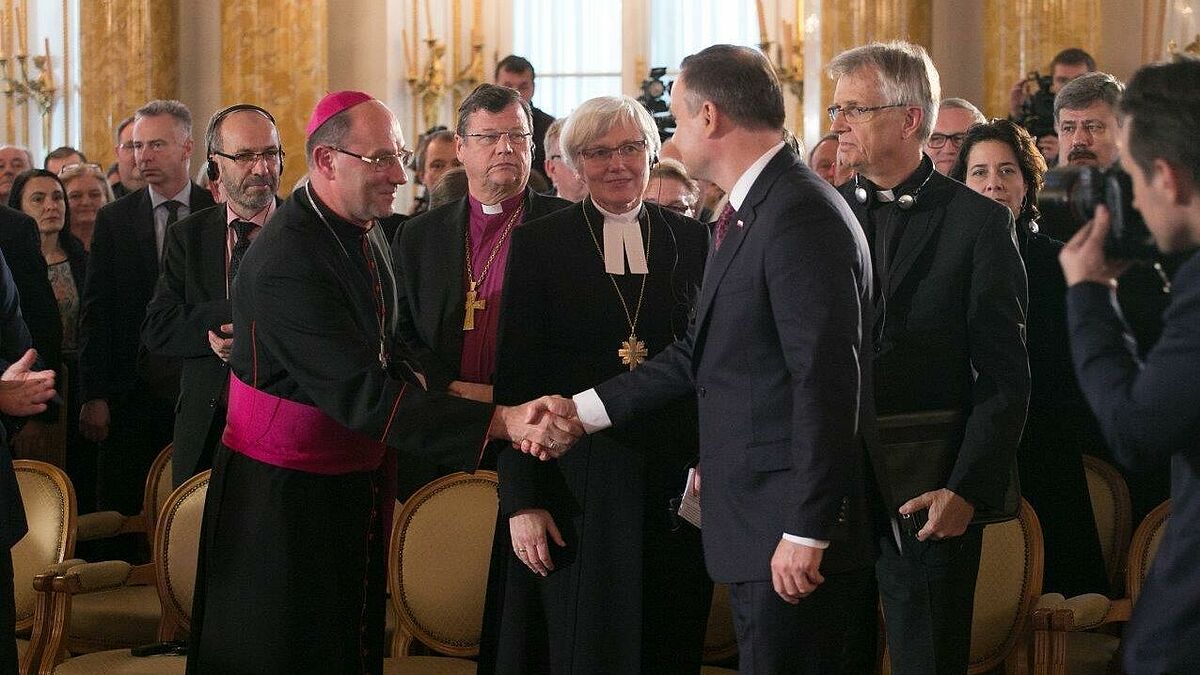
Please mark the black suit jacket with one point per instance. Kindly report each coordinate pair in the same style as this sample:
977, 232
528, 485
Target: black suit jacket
950, 335
14, 340
428, 253
1149, 413
776, 359
122, 271
189, 300
541, 123
22, 248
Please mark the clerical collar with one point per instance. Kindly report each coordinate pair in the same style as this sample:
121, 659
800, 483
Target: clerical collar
623, 240
908, 186
339, 225
502, 207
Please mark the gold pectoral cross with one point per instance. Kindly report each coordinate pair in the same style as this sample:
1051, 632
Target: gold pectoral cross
632, 352
474, 302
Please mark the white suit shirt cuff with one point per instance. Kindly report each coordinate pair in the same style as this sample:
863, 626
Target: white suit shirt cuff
814, 543
590, 409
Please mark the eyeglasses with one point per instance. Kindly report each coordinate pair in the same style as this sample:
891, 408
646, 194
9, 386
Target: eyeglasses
247, 158
72, 168
517, 139
938, 140
127, 146
625, 150
385, 162
857, 113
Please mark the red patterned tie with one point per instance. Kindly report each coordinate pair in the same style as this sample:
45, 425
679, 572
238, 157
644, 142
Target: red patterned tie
723, 221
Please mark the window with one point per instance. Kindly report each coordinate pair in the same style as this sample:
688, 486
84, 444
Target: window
683, 27
574, 46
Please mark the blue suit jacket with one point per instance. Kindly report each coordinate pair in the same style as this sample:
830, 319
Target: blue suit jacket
1150, 414
779, 359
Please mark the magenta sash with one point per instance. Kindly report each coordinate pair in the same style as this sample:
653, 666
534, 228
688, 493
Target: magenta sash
293, 435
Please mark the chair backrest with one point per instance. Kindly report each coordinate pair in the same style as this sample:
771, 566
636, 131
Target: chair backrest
1145, 545
720, 639
176, 551
158, 487
1010, 580
453, 519
1112, 511
49, 502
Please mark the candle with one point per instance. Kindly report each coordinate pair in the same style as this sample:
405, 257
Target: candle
5, 31
23, 28
408, 54
457, 21
476, 21
762, 22
785, 37
428, 22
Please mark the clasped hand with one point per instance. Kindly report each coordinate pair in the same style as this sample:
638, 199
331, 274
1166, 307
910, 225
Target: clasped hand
545, 427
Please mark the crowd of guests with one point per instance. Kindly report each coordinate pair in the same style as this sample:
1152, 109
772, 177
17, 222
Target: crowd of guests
547, 256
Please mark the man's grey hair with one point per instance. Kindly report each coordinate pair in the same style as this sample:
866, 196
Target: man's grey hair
1085, 90
977, 116
333, 132
28, 154
905, 72
183, 116
554, 133
598, 116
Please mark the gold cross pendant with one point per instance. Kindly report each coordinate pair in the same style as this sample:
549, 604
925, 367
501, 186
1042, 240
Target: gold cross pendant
632, 352
474, 302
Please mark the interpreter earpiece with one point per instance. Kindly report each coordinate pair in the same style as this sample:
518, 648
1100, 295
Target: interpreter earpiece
210, 135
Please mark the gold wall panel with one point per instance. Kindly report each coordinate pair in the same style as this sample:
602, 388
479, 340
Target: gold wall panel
850, 23
274, 55
1023, 35
128, 53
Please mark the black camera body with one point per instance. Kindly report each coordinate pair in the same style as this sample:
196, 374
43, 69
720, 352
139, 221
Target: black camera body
1038, 111
1069, 200
653, 99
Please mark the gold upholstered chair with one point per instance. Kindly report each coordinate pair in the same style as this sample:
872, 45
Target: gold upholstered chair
1113, 513
440, 606
104, 524
122, 608
1009, 583
173, 570
49, 502
1077, 635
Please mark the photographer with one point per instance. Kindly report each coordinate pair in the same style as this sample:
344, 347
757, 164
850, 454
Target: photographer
1033, 108
1149, 410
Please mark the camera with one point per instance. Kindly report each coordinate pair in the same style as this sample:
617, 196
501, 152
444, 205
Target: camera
1069, 200
1037, 113
653, 99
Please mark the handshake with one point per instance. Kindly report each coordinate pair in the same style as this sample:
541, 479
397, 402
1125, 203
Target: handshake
545, 427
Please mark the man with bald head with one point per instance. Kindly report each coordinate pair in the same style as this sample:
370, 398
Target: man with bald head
189, 317
13, 160
320, 399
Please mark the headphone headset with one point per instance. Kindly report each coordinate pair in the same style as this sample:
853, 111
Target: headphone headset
905, 202
214, 171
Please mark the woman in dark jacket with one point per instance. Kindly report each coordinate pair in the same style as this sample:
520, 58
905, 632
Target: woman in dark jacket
1000, 160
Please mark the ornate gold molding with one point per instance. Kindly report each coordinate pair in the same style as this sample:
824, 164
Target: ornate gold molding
274, 54
850, 23
1023, 35
128, 51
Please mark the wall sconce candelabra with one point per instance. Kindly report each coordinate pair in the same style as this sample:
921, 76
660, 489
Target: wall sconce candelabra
788, 56
20, 89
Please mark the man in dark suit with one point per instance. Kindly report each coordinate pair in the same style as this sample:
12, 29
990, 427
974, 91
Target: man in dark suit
459, 251
775, 356
130, 394
517, 72
22, 392
1149, 410
190, 316
949, 327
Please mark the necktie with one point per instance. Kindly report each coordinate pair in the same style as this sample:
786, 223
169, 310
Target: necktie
242, 228
723, 221
172, 207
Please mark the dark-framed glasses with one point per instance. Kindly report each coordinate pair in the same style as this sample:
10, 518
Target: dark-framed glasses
384, 162
517, 139
625, 150
938, 140
248, 158
857, 113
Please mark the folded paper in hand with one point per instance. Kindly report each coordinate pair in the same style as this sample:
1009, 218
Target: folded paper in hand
689, 502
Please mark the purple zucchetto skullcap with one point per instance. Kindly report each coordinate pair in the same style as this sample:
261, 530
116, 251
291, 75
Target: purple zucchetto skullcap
332, 104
